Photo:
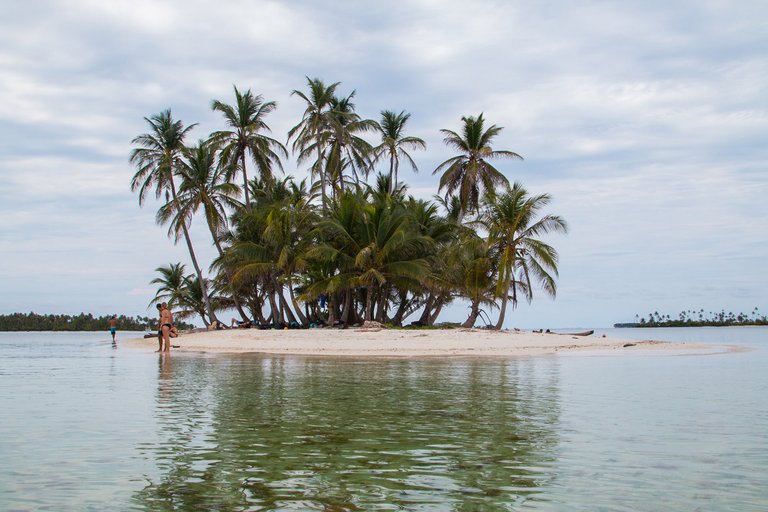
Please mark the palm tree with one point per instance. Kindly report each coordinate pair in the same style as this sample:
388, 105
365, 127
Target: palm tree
269, 246
204, 184
246, 119
156, 158
311, 135
373, 245
471, 267
514, 227
346, 150
470, 172
195, 300
394, 142
172, 283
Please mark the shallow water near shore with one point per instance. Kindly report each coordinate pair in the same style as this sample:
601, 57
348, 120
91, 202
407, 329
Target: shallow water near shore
89, 426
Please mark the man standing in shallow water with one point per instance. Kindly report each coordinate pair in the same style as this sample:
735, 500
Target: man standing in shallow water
113, 327
166, 322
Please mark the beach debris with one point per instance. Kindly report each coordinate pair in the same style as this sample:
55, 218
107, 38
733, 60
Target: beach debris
371, 326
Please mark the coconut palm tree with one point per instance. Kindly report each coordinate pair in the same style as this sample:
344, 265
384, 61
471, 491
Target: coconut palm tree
172, 281
470, 268
246, 118
514, 222
311, 135
373, 245
394, 143
195, 299
269, 245
470, 172
346, 150
205, 185
156, 158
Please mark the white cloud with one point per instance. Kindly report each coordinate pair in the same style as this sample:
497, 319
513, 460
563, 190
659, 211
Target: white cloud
645, 121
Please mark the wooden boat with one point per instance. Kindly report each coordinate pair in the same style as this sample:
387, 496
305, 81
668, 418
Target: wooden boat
173, 334
583, 333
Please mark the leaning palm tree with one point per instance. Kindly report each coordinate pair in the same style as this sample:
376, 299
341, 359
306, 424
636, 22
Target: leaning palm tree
204, 185
157, 157
514, 227
470, 172
246, 118
394, 143
311, 135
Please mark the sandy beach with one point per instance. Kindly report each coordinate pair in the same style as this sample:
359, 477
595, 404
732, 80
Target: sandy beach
365, 342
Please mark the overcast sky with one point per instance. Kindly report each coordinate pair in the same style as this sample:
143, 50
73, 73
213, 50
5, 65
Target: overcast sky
647, 121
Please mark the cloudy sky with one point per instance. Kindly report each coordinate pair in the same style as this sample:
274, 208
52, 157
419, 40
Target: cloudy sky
647, 121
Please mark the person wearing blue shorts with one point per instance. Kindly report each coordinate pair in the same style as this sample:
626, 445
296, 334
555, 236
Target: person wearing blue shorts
113, 327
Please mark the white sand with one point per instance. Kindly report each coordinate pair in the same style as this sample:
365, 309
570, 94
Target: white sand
363, 342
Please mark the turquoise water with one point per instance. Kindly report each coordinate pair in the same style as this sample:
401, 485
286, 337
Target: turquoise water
87, 426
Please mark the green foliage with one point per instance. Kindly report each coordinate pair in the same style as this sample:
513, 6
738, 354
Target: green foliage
340, 249
82, 322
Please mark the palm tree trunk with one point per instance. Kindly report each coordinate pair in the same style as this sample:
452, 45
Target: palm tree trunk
331, 310
381, 314
392, 181
347, 308
284, 306
369, 303
473, 314
227, 272
401, 308
199, 273
299, 313
203, 285
245, 182
287, 308
503, 310
275, 308
433, 316
427, 313
322, 176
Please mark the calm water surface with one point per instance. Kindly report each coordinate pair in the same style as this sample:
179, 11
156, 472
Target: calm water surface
89, 426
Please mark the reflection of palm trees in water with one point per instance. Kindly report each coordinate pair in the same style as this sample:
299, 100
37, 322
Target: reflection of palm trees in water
277, 432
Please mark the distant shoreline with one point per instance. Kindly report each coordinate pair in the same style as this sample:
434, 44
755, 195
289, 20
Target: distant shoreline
690, 324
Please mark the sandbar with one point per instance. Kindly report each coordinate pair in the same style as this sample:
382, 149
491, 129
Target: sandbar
378, 342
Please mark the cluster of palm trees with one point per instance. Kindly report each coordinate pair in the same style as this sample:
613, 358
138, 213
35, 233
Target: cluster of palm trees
351, 245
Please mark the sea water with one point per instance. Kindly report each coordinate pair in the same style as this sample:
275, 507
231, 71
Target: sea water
88, 425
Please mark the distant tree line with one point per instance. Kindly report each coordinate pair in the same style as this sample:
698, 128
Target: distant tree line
694, 318
82, 322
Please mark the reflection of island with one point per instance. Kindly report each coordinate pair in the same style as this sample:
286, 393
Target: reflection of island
239, 433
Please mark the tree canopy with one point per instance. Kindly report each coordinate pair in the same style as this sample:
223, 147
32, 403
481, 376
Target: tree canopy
351, 244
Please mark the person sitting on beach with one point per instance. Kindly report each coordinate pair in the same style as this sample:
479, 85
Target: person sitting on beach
242, 324
113, 327
166, 322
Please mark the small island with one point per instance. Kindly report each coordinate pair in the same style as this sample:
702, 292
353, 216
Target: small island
698, 318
